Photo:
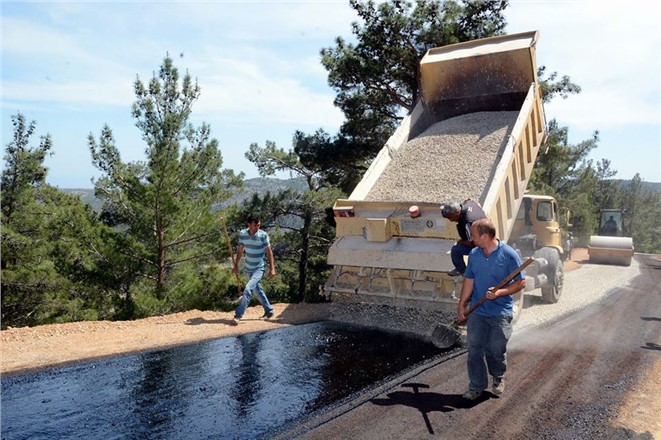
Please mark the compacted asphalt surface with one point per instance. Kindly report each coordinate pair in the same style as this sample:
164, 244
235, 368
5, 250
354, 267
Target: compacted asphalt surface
566, 380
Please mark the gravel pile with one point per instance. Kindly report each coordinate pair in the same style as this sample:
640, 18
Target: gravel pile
417, 318
450, 161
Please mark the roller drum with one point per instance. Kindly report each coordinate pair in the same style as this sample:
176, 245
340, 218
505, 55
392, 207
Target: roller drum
610, 250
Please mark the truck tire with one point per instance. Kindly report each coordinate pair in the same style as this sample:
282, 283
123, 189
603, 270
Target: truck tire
551, 292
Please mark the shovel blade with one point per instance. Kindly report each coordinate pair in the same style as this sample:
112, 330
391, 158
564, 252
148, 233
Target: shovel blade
444, 336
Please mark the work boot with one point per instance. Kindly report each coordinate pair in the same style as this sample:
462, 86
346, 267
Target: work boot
498, 386
235, 321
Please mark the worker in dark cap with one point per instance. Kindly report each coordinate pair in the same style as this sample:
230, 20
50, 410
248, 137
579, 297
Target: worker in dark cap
464, 215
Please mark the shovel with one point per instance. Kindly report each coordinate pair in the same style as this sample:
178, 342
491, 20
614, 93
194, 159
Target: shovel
229, 243
445, 336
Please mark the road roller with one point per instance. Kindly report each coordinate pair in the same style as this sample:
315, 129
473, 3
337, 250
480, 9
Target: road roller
610, 246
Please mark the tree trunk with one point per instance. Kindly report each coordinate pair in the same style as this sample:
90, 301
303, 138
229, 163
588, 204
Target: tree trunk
161, 264
303, 262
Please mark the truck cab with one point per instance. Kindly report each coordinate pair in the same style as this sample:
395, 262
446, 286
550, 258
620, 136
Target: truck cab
538, 216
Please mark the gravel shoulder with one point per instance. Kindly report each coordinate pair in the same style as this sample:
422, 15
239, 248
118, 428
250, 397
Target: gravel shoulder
34, 348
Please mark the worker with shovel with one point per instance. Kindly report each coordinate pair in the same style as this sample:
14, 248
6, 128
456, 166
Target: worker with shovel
254, 244
490, 326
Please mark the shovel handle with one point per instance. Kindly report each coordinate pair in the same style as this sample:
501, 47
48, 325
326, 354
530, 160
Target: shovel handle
229, 243
500, 285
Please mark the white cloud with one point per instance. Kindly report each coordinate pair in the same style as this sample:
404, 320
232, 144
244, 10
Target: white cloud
612, 51
259, 68
239, 80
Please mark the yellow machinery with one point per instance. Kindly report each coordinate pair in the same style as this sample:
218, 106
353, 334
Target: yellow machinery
610, 246
396, 253
537, 233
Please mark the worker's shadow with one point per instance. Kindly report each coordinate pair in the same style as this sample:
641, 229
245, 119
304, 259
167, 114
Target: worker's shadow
429, 402
651, 346
198, 321
650, 318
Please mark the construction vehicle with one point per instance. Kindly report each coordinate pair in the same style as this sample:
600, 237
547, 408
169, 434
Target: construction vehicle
610, 246
395, 254
537, 233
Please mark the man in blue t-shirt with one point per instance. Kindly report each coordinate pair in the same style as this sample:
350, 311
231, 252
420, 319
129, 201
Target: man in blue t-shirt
254, 244
490, 325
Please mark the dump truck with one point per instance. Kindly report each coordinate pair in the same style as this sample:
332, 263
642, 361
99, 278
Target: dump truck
610, 246
538, 233
474, 133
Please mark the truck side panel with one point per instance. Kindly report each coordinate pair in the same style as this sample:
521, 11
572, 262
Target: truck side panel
514, 170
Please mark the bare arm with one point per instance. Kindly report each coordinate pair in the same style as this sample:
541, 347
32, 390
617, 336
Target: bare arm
510, 289
269, 253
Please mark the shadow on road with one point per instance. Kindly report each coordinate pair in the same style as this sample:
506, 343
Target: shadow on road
650, 318
198, 321
429, 402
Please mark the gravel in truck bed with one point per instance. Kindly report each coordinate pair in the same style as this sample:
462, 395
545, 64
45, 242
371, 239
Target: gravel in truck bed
451, 161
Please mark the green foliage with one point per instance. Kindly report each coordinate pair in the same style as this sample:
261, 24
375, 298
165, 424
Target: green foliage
642, 219
158, 245
563, 171
143, 302
377, 78
552, 88
210, 287
58, 309
48, 253
161, 208
585, 187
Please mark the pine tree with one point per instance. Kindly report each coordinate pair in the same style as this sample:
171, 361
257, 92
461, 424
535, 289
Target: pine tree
162, 207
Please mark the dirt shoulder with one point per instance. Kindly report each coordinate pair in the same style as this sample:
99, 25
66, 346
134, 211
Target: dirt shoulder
32, 348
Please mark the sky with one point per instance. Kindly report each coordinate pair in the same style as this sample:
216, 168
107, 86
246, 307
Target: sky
70, 66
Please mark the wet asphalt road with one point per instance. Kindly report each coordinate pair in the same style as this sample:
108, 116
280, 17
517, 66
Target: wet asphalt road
565, 381
240, 387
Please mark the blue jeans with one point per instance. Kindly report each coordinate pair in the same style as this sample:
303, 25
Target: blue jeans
457, 255
487, 341
253, 284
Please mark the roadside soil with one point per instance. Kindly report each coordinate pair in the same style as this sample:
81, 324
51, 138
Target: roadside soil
34, 348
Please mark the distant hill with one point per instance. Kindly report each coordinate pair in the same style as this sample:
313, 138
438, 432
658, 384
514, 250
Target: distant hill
86, 195
258, 185
647, 186
262, 185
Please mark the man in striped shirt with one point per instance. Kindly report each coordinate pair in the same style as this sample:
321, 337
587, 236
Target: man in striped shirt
254, 244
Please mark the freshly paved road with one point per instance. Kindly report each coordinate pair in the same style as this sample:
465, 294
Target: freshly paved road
568, 380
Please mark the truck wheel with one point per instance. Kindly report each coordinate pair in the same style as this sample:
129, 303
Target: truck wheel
517, 308
551, 293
